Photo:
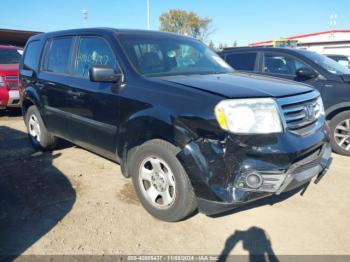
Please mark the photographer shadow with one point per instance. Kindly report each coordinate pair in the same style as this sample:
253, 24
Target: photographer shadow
255, 241
34, 195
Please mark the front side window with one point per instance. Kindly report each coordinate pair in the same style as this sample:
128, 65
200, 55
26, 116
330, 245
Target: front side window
58, 55
242, 61
152, 56
93, 51
9, 56
280, 64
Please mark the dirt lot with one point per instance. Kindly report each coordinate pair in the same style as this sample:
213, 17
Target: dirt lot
71, 201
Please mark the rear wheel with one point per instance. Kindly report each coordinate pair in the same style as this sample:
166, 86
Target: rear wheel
340, 133
38, 134
161, 182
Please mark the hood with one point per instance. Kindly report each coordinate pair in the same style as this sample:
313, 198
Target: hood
241, 85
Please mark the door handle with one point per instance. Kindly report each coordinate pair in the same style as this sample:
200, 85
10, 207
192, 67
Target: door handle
73, 93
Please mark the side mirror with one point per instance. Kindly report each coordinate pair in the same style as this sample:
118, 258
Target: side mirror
306, 73
103, 73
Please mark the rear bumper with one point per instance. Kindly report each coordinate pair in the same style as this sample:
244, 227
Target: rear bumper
218, 170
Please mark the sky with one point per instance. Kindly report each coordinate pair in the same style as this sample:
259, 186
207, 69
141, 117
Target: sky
244, 21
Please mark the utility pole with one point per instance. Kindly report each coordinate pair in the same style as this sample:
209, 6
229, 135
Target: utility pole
148, 21
85, 17
332, 23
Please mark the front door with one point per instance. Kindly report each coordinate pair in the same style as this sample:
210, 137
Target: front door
94, 107
285, 66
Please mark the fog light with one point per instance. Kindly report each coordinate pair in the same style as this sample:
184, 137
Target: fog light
253, 180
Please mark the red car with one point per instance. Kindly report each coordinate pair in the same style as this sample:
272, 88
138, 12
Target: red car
9, 60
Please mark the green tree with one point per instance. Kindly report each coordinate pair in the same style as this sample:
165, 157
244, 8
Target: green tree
185, 23
212, 46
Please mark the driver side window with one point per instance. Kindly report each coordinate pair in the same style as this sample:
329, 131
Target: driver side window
93, 51
281, 64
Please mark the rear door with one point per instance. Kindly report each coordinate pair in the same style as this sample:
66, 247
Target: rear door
54, 84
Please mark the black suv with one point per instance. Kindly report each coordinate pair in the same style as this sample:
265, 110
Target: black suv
330, 78
187, 129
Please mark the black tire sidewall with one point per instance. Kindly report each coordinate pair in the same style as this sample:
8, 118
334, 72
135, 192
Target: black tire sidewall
333, 124
183, 203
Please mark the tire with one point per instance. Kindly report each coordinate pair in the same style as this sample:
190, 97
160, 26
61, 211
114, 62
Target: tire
40, 138
172, 198
340, 133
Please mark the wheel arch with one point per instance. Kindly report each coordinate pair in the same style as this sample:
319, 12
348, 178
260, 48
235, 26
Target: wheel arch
337, 109
30, 98
145, 126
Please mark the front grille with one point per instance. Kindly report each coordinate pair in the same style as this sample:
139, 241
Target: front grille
299, 113
11, 78
12, 82
12, 85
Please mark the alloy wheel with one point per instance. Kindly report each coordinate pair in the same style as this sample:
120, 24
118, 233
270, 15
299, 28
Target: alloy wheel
34, 128
157, 182
342, 134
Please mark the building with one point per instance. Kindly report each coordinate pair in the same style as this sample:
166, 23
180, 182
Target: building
15, 37
335, 42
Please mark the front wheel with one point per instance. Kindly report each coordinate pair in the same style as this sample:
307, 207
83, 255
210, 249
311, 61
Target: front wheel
340, 133
161, 182
38, 134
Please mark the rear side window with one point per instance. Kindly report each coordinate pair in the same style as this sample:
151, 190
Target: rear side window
57, 59
32, 55
93, 51
242, 61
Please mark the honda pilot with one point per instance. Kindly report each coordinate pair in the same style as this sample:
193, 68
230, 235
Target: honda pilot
192, 133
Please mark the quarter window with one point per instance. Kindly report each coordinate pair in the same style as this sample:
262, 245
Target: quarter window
93, 51
242, 61
32, 54
280, 64
58, 55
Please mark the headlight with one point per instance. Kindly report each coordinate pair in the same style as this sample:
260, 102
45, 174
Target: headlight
249, 116
319, 108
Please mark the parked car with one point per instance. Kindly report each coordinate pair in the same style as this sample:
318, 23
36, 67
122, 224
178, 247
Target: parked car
9, 59
331, 79
341, 59
189, 130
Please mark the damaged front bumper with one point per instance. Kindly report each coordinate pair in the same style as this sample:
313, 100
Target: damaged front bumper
229, 173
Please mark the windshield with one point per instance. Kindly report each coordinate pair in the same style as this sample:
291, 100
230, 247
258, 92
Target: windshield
153, 56
9, 56
329, 64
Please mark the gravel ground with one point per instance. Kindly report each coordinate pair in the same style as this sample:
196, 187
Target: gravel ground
71, 201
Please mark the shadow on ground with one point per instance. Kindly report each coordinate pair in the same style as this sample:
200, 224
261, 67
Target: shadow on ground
13, 112
34, 195
254, 240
